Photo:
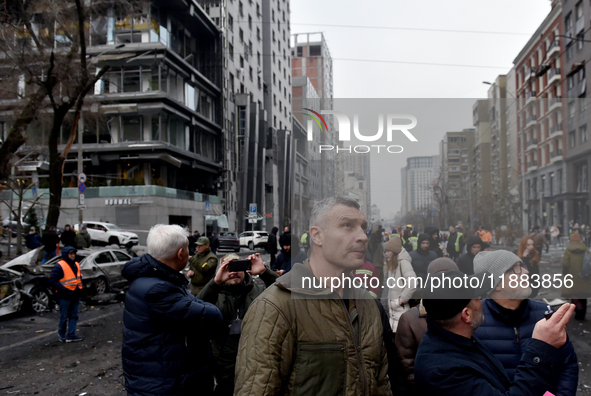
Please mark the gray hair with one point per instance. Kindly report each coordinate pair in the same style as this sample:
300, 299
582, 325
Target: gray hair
318, 216
164, 241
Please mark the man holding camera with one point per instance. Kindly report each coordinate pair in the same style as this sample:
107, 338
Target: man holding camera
233, 293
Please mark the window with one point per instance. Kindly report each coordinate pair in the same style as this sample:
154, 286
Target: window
230, 22
241, 8
103, 258
582, 178
580, 41
122, 257
132, 129
315, 50
231, 51
300, 51
250, 22
583, 134
572, 138
241, 35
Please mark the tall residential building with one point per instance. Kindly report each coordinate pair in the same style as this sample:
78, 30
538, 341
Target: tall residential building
257, 105
506, 205
311, 58
539, 77
482, 197
578, 148
453, 188
417, 183
359, 165
152, 131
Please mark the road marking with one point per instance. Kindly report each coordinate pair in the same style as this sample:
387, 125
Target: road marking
52, 333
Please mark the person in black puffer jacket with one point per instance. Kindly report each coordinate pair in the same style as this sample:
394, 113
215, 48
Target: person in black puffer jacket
510, 318
422, 257
232, 293
68, 237
434, 240
466, 261
166, 331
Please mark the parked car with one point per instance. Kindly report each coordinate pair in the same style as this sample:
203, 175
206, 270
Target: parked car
229, 240
254, 239
100, 269
109, 234
32, 284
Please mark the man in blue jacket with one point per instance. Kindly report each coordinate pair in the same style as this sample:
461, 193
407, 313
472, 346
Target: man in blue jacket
166, 331
510, 317
451, 361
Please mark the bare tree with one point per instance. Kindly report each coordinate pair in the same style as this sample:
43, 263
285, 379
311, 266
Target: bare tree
45, 66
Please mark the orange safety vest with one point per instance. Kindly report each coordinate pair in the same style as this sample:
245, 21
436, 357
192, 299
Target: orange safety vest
69, 280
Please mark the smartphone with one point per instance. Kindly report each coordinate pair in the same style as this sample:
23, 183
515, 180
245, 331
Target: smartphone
239, 265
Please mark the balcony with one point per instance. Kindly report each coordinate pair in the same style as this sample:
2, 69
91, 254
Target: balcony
554, 103
533, 143
579, 25
554, 77
569, 37
556, 155
531, 121
532, 165
554, 49
530, 96
556, 130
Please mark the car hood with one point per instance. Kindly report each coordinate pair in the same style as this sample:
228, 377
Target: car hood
127, 234
28, 259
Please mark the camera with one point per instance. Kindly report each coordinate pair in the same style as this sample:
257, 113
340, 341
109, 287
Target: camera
239, 265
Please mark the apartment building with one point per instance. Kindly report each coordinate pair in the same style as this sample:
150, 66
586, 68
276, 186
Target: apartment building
577, 149
539, 76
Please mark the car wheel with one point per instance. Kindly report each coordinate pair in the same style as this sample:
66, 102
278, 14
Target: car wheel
41, 300
114, 241
250, 245
100, 285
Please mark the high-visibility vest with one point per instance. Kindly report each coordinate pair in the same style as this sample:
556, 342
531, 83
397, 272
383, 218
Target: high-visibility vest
69, 280
414, 241
457, 244
304, 238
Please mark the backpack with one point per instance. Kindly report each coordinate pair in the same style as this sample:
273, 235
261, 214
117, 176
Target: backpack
586, 268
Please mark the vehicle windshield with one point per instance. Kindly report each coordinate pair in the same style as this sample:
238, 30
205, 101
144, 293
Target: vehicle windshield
112, 227
228, 234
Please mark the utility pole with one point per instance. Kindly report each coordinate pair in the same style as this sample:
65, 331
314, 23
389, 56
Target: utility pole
81, 177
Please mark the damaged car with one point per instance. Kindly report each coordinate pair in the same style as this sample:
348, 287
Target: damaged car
23, 286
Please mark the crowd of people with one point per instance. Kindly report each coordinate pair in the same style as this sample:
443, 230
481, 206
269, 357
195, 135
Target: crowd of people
261, 331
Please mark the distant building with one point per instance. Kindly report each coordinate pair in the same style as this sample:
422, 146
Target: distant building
417, 183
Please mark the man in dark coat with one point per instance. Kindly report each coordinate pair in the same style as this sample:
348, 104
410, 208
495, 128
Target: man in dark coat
290, 255
474, 245
285, 236
193, 241
422, 257
33, 239
272, 245
510, 317
214, 243
232, 293
166, 331
451, 361
68, 237
434, 240
540, 240
66, 281
50, 240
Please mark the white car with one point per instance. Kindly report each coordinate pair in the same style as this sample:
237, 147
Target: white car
108, 234
254, 239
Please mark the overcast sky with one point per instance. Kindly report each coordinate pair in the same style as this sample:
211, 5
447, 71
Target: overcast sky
407, 39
